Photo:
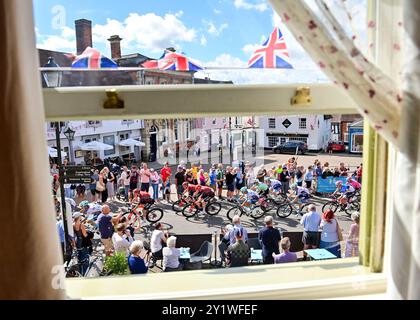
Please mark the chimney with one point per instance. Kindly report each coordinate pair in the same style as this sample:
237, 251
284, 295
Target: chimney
83, 34
115, 47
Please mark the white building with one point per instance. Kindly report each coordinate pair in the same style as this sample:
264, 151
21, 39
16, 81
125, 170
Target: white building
110, 132
314, 130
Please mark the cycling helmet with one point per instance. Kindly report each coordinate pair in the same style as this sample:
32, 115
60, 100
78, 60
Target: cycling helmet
349, 179
339, 182
244, 189
84, 203
293, 186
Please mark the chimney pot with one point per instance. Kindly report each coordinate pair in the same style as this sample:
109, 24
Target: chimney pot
83, 34
115, 41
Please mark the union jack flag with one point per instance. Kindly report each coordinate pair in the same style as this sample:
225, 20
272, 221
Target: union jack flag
172, 61
93, 59
272, 54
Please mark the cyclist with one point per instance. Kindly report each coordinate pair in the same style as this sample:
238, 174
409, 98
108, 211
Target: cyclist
203, 194
356, 185
189, 188
345, 191
262, 188
275, 186
300, 195
250, 198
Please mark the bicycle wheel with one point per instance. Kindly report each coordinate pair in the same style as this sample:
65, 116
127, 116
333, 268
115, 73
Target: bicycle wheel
284, 210
132, 219
213, 208
178, 205
331, 205
233, 212
154, 215
190, 210
257, 212
351, 208
280, 199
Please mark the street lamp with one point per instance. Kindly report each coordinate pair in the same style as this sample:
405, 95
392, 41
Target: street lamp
53, 79
69, 133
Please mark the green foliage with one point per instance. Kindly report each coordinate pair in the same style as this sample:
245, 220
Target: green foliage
117, 264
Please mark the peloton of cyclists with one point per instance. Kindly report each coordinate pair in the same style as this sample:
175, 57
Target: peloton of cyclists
250, 198
200, 194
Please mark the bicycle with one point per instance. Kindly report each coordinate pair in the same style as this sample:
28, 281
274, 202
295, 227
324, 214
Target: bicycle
135, 212
287, 208
212, 207
349, 207
255, 212
179, 204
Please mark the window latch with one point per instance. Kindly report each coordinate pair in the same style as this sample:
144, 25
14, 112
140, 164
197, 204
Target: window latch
302, 96
113, 101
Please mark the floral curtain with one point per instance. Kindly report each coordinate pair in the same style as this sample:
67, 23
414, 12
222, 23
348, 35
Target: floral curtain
382, 104
336, 54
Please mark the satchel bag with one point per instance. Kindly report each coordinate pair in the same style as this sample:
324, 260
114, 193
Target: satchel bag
100, 187
339, 233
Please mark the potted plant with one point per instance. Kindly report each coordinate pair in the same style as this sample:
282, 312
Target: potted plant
116, 264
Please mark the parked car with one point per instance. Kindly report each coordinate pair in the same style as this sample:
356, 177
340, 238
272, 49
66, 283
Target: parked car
291, 147
338, 146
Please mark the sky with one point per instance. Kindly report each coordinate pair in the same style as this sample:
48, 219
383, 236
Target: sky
216, 33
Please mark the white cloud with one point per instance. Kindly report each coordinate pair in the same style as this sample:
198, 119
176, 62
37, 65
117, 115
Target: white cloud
213, 30
65, 41
215, 11
203, 40
148, 31
248, 5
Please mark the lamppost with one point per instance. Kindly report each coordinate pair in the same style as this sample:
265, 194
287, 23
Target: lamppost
220, 147
52, 80
243, 144
230, 141
69, 133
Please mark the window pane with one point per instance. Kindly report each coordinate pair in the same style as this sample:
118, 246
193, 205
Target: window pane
199, 145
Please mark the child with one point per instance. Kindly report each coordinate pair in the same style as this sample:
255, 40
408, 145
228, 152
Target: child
352, 244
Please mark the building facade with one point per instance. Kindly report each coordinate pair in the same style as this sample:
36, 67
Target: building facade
314, 130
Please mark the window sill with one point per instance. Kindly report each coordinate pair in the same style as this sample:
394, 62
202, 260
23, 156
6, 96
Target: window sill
310, 280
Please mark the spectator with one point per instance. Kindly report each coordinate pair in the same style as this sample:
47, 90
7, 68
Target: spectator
309, 176
171, 256
286, 256
239, 180
336, 173
212, 178
136, 263
310, 221
237, 254
94, 178
226, 233
230, 182
284, 179
236, 221
343, 170
157, 241
64, 245
179, 180
219, 179
122, 239
261, 174
125, 181
352, 244
154, 180
330, 239
359, 173
269, 238
80, 234
249, 175
134, 179
202, 178
166, 173
145, 178
106, 228
299, 176
102, 184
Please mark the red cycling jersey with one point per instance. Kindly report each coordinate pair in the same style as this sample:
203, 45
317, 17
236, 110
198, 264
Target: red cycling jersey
205, 189
192, 187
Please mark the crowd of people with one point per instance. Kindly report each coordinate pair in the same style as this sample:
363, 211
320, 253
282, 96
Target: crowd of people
241, 181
